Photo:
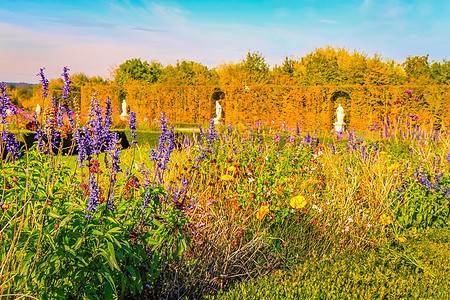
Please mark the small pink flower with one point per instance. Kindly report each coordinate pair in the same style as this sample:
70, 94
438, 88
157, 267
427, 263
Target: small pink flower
416, 99
408, 92
415, 117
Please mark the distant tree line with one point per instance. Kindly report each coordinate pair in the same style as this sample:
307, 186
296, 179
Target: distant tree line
323, 66
329, 66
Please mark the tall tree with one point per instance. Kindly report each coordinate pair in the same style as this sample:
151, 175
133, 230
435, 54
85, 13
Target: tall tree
135, 69
188, 73
254, 68
440, 72
417, 69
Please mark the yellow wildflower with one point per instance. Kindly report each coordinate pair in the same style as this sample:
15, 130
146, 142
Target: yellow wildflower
385, 219
226, 177
262, 212
288, 179
298, 202
401, 239
231, 169
393, 167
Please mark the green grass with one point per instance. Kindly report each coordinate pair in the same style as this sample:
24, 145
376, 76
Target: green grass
417, 269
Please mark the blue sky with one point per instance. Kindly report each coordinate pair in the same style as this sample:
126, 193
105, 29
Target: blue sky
95, 36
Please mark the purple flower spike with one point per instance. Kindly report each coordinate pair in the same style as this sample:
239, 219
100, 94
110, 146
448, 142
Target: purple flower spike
132, 125
59, 116
93, 197
66, 87
44, 82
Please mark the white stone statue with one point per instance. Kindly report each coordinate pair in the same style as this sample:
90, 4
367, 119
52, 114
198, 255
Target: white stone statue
124, 109
339, 125
38, 109
218, 112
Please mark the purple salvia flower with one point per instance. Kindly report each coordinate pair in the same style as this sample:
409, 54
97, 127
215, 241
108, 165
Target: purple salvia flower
4, 103
113, 150
429, 186
114, 155
424, 178
12, 146
132, 125
212, 136
84, 147
436, 183
44, 82
202, 135
147, 198
93, 197
108, 114
162, 155
333, 148
66, 87
59, 116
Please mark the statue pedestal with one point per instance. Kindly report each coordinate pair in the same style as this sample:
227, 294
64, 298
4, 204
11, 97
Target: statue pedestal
123, 117
216, 121
339, 127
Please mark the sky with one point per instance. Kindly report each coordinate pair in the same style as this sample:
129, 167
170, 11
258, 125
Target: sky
95, 36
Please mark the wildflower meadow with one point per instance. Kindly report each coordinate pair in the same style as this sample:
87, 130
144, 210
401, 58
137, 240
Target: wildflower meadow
219, 210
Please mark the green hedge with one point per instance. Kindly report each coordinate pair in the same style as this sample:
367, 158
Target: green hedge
419, 269
149, 138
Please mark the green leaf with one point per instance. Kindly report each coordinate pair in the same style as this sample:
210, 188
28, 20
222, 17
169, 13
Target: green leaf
110, 256
80, 240
115, 230
109, 287
136, 278
97, 232
64, 221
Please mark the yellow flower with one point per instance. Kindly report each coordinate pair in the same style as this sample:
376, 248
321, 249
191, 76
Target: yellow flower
393, 167
231, 169
385, 219
262, 212
298, 202
288, 179
226, 177
401, 239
